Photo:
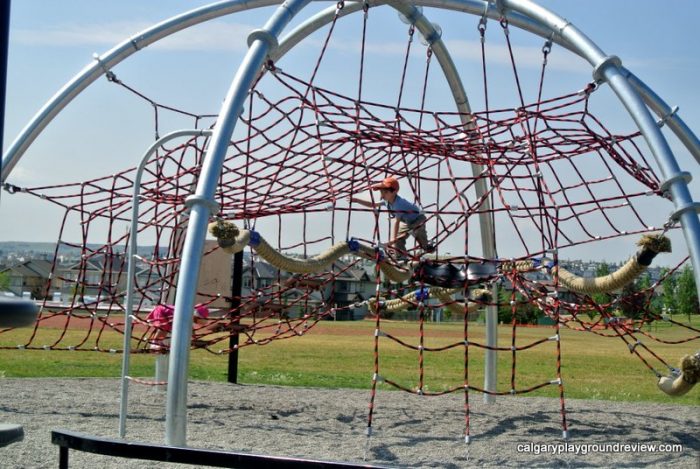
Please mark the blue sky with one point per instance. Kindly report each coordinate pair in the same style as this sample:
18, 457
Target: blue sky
105, 130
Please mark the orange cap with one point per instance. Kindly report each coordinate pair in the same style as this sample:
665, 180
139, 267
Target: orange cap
388, 183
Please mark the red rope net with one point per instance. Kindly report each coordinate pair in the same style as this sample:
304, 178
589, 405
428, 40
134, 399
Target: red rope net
557, 178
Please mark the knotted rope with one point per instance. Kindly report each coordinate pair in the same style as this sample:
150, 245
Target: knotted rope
232, 240
683, 382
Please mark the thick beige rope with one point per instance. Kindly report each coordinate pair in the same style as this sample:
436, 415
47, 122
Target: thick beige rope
233, 240
442, 294
520, 266
690, 374
651, 245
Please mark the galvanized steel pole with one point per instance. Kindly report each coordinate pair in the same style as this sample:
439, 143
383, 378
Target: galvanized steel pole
202, 206
131, 264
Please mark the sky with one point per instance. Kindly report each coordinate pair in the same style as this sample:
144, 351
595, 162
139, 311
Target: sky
105, 130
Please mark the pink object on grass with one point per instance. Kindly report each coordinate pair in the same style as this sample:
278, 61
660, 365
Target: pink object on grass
162, 315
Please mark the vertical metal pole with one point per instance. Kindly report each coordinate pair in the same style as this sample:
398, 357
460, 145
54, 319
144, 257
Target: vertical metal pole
202, 205
236, 289
490, 355
131, 265
5, 38
486, 223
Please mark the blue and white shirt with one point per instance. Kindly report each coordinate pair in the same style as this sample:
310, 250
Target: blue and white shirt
404, 210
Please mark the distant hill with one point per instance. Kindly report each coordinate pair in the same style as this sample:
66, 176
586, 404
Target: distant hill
24, 246
32, 249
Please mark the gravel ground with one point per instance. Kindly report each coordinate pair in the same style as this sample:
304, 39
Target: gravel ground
408, 431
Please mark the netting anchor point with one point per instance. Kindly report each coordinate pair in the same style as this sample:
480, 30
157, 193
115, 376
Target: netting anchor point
633, 346
661, 122
108, 73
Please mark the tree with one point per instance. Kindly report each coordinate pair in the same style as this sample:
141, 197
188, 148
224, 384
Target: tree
600, 298
669, 295
525, 313
632, 303
687, 294
644, 283
4, 281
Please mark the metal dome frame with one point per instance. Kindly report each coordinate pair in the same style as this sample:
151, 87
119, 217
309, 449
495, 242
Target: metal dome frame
639, 100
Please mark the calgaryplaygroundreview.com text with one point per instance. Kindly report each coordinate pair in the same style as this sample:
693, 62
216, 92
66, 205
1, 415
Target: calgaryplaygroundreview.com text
585, 448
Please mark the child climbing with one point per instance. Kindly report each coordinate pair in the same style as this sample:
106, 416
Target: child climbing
409, 217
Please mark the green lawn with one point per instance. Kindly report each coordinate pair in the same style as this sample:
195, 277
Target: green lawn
340, 355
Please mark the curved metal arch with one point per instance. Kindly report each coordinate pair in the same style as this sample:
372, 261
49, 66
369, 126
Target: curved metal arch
144, 38
666, 114
609, 69
102, 64
521, 13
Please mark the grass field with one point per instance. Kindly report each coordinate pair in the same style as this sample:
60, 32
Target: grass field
340, 355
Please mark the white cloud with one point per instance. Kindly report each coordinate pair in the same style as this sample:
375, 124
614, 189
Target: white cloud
26, 176
215, 35
226, 36
525, 56
77, 35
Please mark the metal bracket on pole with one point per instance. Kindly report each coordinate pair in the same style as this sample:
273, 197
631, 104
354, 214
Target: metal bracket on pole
598, 70
195, 199
500, 7
666, 185
692, 207
263, 35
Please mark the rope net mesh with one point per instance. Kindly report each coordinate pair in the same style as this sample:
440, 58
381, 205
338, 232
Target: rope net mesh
300, 156
556, 179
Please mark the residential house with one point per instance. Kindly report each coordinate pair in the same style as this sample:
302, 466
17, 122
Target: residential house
28, 277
